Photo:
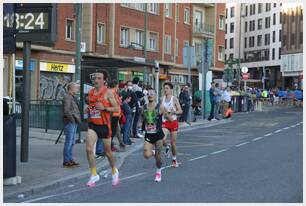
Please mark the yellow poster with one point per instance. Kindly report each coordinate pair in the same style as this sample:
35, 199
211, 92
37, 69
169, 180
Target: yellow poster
53, 67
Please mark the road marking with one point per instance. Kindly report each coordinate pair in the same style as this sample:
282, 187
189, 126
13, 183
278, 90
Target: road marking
217, 152
244, 143
269, 134
257, 138
277, 131
81, 189
200, 157
293, 126
286, 128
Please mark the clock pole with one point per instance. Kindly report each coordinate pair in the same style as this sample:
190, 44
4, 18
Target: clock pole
24, 154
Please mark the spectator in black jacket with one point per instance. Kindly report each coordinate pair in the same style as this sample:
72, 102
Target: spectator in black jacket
184, 99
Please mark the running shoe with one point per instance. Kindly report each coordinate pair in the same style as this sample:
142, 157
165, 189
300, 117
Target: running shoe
157, 177
174, 163
115, 178
92, 181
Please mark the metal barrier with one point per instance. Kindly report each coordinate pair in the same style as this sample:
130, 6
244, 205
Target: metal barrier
242, 104
45, 114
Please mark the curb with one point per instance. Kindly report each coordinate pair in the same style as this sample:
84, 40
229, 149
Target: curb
100, 166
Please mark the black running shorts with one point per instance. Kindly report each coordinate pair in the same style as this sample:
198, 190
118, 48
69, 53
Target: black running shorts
153, 138
101, 130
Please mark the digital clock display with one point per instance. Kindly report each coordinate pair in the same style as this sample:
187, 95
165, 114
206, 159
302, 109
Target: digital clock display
28, 21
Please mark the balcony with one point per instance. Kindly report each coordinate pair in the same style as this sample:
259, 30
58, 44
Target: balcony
203, 29
255, 59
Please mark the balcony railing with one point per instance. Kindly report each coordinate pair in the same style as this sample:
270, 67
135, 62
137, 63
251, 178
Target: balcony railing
255, 59
203, 29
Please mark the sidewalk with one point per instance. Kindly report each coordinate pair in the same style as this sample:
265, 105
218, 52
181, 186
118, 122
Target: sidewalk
44, 169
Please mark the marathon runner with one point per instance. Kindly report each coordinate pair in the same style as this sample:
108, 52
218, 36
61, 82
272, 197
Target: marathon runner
154, 134
170, 108
101, 104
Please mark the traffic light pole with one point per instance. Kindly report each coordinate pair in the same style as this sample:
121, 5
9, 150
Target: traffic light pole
24, 151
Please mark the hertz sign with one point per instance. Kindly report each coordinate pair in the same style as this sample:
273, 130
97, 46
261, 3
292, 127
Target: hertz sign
57, 67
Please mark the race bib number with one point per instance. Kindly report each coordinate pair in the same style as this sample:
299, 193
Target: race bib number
94, 113
151, 129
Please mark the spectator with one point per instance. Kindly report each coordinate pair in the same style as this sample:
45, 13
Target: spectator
212, 96
184, 99
71, 119
225, 101
127, 110
136, 96
218, 93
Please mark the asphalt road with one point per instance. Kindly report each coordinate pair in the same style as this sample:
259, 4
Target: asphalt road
258, 157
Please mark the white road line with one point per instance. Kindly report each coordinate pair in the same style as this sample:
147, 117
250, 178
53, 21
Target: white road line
81, 189
293, 126
269, 134
244, 143
217, 152
257, 138
200, 157
277, 131
286, 128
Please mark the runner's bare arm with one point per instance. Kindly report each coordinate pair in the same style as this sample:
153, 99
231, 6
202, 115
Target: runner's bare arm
178, 106
162, 108
111, 99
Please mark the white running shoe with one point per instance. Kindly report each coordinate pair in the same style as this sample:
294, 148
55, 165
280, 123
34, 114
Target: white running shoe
92, 181
157, 177
115, 178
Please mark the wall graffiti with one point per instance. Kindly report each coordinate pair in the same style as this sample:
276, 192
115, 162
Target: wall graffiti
53, 85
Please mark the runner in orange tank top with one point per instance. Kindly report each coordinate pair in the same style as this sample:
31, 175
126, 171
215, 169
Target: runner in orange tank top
101, 104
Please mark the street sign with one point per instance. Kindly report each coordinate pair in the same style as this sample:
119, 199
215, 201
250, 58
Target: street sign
191, 52
246, 76
244, 69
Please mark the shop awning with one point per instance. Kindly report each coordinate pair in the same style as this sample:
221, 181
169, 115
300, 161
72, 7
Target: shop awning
111, 63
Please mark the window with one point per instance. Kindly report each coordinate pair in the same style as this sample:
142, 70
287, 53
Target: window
280, 17
124, 37
292, 40
301, 37
246, 10
252, 25
274, 5
225, 57
168, 10
140, 7
280, 35
100, 33
186, 16
153, 8
232, 27
176, 47
268, 6
267, 53
168, 44
259, 8
259, 40
267, 39
231, 56
273, 54
139, 38
197, 47
251, 41
267, 22
245, 42
232, 11
225, 43
225, 28
177, 12
186, 43
70, 29
153, 41
259, 24
279, 53
221, 53
231, 43
273, 37
252, 9
226, 13
221, 22
246, 26
274, 19
284, 40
